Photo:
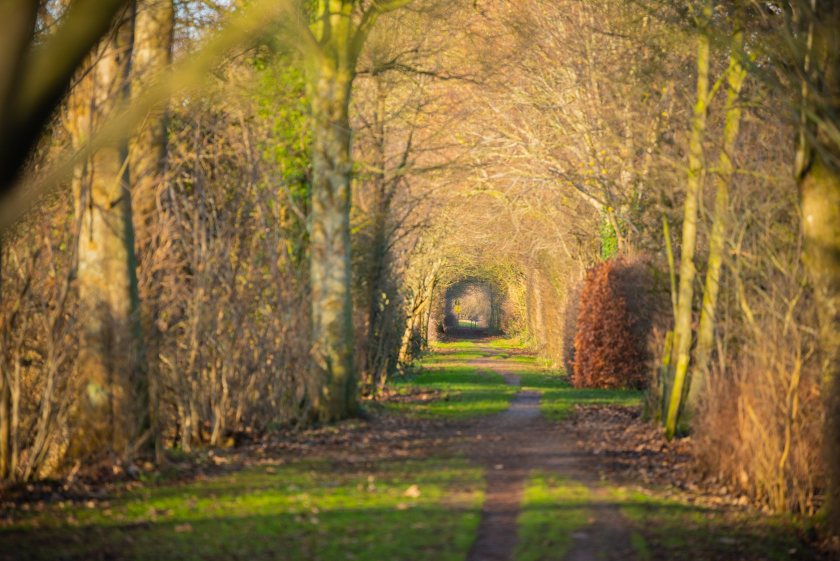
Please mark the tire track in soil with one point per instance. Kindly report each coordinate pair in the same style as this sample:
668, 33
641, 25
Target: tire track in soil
509, 445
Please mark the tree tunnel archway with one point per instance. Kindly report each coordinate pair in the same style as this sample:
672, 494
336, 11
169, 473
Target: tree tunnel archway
470, 306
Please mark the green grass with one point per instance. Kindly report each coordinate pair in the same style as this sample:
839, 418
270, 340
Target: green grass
304, 511
468, 393
453, 345
465, 393
511, 343
559, 397
451, 357
552, 509
522, 359
671, 528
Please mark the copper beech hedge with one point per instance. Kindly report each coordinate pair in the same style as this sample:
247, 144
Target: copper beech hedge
610, 338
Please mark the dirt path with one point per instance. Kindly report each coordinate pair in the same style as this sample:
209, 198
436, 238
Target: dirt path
510, 445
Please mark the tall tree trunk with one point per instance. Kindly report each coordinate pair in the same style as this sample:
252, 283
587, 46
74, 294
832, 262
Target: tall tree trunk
110, 346
717, 242
5, 427
338, 34
153, 35
818, 174
332, 384
5, 415
154, 27
377, 290
378, 258
682, 321
5, 397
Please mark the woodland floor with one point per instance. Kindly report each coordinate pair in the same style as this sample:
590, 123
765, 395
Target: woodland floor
483, 454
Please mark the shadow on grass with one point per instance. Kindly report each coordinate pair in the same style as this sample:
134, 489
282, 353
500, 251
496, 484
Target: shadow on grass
409, 510
673, 530
398, 533
659, 531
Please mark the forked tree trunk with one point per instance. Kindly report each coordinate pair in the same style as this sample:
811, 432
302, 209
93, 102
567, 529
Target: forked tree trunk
682, 321
110, 338
339, 32
717, 241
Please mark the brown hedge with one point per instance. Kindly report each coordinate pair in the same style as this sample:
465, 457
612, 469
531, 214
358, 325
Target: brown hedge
610, 343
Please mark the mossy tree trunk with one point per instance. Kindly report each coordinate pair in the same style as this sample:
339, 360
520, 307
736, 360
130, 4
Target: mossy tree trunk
110, 346
339, 32
818, 175
332, 391
736, 74
682, 321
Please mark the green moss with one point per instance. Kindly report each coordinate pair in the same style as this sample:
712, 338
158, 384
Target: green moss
552, 509
304, 511
609, 239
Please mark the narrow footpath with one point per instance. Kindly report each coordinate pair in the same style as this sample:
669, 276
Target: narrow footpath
511, 445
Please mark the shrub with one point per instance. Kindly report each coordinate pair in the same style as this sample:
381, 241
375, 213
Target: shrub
612, 325
759, 428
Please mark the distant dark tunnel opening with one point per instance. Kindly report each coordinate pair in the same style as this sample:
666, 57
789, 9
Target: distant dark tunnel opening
469, 308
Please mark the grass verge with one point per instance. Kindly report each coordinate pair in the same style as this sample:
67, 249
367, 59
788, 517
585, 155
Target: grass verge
559, 397
409, 510
462, 392
671, 528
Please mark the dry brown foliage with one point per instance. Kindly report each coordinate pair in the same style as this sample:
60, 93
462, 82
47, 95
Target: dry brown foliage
609, 349
761, 428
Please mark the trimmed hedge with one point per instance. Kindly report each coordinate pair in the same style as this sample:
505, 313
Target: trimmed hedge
611, 334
